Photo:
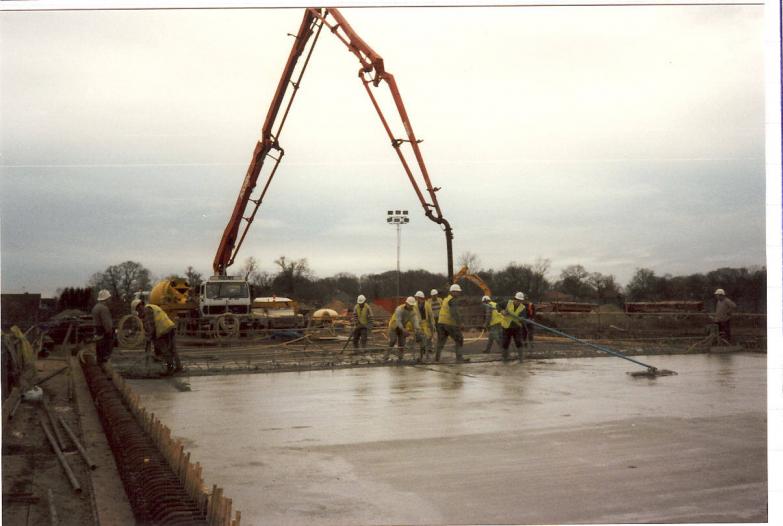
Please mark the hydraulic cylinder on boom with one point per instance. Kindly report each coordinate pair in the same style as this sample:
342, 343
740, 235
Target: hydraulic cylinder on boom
372, 74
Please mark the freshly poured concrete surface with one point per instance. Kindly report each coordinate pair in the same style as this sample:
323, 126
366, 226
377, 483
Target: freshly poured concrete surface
558, 441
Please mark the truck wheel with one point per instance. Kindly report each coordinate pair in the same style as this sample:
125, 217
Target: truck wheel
227, 326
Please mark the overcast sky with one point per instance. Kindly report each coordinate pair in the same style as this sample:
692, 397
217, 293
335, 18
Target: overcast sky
612, 137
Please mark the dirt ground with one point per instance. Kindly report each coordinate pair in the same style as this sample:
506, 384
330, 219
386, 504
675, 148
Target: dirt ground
35, 484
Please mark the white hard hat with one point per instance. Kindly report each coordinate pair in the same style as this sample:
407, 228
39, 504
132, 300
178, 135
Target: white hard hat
134, 304
455, 288
361, 299
485, 298
721, 292
410, 300
419, 294
434, 292
519, 296
103, 295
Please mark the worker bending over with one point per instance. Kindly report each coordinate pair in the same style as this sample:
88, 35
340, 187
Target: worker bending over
493, 321
513, 326
450, 324
402, 323
104, 329
427, 323
161, 334
362, 322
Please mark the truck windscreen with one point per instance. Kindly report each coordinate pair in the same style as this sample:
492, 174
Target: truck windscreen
227, 290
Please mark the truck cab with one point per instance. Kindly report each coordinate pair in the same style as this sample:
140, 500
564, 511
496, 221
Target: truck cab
224, 295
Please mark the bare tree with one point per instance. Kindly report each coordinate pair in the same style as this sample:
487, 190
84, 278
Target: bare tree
122, 280
470, 260
292, 272
194, 278
249, 268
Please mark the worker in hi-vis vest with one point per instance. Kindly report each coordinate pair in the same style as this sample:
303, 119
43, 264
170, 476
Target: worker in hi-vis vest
493, 321
427, 323
362, 322
434, 302
450, 324
513, 326
403, 323
160, 332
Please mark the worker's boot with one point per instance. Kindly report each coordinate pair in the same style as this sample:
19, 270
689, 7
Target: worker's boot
521, 354
460, 358
505, 354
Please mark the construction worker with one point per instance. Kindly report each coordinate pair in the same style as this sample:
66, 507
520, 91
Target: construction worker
402, 323
724, 307
450, 324
362, 322
513, 326
427, 323
434, 302
493, 321
104, 328
160, 332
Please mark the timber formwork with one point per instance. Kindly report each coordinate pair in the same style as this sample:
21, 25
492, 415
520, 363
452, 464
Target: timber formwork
163, 486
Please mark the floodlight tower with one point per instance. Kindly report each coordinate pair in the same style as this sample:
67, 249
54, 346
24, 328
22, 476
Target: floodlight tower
397, 218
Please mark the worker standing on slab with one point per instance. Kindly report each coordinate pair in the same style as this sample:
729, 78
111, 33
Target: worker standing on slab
402, 323
104, 328
724, 308
161, 333
513, 326
450, 324
434, 303
493, 323
427, 323
362, 322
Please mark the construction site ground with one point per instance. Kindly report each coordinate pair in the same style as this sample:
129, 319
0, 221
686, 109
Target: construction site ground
31, 469
35, 485
241, 355
548, 441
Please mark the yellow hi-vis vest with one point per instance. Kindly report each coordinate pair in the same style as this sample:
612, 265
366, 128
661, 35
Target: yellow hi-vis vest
426, 322
162, 322
362, 311
519, 312
444, 317
496, 316
408, 323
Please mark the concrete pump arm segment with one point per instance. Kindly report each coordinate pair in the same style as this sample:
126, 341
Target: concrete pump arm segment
372, 72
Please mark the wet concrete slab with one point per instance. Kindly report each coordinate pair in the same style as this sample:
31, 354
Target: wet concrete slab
557, 441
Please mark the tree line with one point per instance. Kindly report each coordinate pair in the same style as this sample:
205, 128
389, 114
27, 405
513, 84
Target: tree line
294, 278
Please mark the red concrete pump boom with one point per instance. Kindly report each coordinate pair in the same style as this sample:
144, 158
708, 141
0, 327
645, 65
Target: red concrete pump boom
372, 72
